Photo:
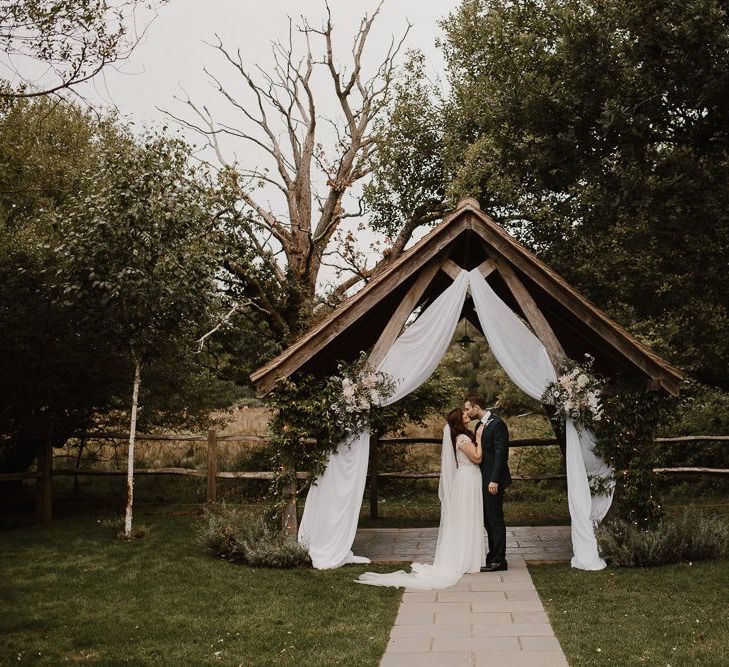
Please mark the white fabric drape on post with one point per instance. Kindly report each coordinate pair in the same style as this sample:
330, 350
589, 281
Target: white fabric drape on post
331, 512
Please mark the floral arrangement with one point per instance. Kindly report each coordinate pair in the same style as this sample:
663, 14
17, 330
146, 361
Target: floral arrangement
576, 393
356, 389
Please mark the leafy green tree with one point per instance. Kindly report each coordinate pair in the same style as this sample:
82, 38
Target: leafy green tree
588, 132
53, 372
62, 371
408, 185
586, 127
139, 243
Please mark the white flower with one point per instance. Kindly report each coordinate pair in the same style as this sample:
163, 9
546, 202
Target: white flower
369, 380
582, 380
375, 396
348, 389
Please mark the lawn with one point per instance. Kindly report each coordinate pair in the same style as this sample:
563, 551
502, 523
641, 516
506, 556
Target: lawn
73, 592
672, 615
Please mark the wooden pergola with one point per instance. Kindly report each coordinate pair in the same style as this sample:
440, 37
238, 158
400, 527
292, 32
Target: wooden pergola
566, 322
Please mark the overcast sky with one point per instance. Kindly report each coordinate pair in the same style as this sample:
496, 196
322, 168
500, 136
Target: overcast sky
173, 53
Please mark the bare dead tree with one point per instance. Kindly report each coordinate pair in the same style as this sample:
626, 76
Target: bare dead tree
280, 118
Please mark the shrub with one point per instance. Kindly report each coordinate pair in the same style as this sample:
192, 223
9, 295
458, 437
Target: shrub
244, 536
672, 540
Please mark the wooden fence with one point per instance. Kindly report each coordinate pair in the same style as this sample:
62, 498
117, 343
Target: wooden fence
45, 471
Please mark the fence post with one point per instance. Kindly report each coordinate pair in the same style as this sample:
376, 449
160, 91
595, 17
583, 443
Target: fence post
82, 445
374, 470
44, 484
212, 465
290, 517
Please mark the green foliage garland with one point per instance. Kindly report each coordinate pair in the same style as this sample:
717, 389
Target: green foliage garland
626, 439
304, 429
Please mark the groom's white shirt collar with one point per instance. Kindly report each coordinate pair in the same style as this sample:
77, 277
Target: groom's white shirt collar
486, 417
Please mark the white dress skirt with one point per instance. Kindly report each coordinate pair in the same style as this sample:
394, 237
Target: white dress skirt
460, 548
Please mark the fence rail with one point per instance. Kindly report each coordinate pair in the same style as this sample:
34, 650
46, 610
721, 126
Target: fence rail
45, 472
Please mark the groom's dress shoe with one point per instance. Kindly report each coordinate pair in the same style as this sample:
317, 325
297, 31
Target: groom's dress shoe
495, 567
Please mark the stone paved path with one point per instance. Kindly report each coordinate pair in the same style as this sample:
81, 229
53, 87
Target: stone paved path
538, 543
485, 619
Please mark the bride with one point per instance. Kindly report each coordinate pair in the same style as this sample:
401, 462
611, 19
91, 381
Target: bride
460, 546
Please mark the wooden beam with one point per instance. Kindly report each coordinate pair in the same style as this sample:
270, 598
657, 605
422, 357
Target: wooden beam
452, 269
374, 472
640, 355
486, 267
402, 312
531, 311
653, 384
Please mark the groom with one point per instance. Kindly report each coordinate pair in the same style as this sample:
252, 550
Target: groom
496, 476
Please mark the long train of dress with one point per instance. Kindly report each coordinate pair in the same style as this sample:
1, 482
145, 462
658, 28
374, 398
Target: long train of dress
460, 546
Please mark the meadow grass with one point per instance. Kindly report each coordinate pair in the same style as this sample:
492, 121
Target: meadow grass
73, 592
671, 615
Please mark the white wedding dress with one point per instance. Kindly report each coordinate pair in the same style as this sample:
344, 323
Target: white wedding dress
460, 547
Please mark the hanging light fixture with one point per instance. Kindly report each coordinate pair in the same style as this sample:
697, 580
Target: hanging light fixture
465, 340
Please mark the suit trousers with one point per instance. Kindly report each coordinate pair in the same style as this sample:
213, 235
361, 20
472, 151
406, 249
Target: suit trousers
493, 518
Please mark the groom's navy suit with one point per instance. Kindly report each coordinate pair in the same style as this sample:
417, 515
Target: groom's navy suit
495, 468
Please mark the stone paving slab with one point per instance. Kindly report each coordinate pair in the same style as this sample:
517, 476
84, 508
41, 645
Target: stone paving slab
490, 618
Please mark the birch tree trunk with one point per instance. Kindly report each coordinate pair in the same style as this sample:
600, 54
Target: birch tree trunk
130, 454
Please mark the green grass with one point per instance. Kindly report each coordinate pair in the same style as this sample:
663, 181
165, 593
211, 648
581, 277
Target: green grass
673, 615
73, 592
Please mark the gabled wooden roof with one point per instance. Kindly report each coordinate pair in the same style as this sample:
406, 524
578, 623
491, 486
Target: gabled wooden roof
469, 236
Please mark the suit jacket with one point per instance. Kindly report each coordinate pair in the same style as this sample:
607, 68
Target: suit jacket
495, 446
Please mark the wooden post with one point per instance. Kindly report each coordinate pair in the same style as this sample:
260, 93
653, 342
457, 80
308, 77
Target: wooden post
212, 465
44, 485
402, 313
82, 445
531, 311
374, 470
290, 519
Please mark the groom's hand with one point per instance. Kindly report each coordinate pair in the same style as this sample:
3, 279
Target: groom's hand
493, 488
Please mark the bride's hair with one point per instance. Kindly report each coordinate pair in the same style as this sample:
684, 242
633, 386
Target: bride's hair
455, 422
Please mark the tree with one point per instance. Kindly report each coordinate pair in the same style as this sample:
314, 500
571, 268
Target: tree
53, 372
281, 119
586, 131
73, 39
140, 244
408, 185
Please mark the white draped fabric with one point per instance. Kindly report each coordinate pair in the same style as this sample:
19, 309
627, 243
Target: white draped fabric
331, 512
